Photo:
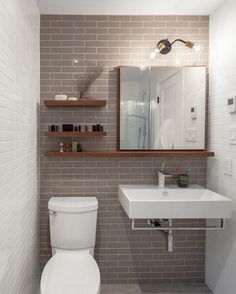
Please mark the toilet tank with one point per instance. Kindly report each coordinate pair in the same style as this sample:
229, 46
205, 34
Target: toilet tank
73, 222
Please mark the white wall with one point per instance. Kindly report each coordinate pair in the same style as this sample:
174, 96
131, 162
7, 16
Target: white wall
194, 95
19, 97
221, 246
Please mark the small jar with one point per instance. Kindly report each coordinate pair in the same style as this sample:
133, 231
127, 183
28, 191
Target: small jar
183, 180
53, 128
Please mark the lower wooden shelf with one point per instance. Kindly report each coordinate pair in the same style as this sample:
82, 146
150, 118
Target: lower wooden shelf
74, 134
130, 154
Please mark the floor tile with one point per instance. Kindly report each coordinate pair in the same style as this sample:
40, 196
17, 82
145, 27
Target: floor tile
155, 289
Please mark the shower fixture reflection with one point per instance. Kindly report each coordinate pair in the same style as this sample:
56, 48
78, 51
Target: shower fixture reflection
141, 130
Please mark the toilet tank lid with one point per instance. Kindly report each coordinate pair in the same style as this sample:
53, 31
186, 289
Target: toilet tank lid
73, 204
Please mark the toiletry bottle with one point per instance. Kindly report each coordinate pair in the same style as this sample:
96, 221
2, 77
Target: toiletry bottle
61, 147
79, 149
74, 146
67, 147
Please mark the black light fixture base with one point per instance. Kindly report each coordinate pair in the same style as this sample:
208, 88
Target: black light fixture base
167, 47
164, 46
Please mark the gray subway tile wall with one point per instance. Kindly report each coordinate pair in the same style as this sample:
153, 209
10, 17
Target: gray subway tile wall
123, 255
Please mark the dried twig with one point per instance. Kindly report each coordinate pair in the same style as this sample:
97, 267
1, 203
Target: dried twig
84, 85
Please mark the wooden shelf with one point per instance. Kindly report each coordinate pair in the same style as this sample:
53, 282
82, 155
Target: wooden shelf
130, 154
74, 134
77, 103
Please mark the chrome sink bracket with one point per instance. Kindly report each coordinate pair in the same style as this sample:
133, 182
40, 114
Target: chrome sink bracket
171, 228
167, 231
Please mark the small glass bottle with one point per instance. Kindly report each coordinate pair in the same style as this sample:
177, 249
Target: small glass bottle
74, 146
67, 148
61, 147
79, 149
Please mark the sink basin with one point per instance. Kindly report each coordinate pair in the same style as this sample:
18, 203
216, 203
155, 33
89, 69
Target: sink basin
142, 202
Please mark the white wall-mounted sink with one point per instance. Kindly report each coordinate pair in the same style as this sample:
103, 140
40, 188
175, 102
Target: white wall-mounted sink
142, 202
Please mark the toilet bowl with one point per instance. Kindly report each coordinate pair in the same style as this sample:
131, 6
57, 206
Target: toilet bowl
72, 269
71, 273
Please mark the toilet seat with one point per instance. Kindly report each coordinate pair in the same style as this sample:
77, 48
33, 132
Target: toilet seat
71, 273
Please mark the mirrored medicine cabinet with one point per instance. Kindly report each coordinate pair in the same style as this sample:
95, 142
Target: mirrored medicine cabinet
161, 108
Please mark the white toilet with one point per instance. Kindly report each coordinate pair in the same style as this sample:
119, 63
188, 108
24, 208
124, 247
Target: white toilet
72, 269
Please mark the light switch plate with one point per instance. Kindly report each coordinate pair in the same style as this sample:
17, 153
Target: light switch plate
232, 135
191, 135
194, 112
228, 166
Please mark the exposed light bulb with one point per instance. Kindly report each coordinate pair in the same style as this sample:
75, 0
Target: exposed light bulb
75, 60
198, 47
153, 54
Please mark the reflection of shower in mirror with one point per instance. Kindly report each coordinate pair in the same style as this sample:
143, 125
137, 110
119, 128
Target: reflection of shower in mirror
141, 130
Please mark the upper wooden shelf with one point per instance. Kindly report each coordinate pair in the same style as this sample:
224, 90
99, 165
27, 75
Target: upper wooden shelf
74, 134
77, 103
130, 154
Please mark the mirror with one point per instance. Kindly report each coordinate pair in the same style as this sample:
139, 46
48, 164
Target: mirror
162, 108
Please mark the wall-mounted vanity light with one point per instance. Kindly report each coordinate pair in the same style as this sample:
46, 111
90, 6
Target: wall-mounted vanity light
164, 46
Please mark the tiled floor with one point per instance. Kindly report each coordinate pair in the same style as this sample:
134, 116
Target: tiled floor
155, 289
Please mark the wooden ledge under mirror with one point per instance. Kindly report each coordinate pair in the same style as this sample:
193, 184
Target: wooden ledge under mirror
162, 110
187, 154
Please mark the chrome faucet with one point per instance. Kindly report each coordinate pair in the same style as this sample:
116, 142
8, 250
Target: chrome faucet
162, 175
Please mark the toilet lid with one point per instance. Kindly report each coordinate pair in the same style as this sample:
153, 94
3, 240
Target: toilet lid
71, 273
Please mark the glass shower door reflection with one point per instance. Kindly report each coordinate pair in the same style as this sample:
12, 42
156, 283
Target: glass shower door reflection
134, 120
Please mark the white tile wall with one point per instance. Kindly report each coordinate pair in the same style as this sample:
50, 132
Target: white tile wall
194, 96
221, 246
19, 96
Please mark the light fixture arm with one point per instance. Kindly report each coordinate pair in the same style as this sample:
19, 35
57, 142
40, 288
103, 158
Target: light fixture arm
188, 44
178, 40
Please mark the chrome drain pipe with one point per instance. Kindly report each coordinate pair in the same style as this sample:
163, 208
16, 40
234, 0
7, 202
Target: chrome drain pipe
167, 234
170, 237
